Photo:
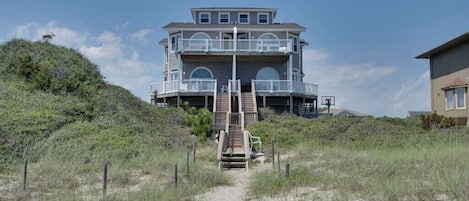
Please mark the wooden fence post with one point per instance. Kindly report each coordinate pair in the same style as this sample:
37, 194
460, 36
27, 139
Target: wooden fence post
25, 173
273, 152
105, 178
187, 162
194, 146
287, 170
278, 160
176, 175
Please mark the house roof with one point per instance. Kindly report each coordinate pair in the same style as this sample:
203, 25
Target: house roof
177, 26
445, 46
345, 112
418, 113
455, 84
239, 9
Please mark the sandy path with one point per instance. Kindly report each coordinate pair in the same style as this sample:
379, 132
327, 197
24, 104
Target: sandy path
236, 192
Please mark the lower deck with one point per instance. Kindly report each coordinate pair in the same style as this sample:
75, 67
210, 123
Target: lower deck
280, 103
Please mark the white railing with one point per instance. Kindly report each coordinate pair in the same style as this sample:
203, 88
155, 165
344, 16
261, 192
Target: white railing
242, 45
261, 86
273, 86
191, 85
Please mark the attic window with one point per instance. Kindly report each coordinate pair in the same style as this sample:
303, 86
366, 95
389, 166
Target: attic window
243, 18
204, 18
262, 18
224, 18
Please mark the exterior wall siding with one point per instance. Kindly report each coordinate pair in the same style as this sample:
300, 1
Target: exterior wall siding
438, 95
452, 60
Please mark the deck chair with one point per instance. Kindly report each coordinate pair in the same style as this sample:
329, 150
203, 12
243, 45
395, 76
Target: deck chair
253, 140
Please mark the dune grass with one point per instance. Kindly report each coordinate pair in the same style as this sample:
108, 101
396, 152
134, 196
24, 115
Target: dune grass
434, 167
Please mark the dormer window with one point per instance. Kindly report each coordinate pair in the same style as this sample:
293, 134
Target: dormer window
204, 18
262, 18
224, 18
243, 18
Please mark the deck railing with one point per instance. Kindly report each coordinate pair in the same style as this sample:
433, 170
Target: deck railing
261, 86
191, 85
273, 86
239, 45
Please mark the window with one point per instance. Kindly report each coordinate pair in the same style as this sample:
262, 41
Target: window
204, 18
267, 73
199, 41
268, 42
201, 73
461, 98
175, 42
224, 18
294, 40
455, 98
243, 18
449, 99
262, 18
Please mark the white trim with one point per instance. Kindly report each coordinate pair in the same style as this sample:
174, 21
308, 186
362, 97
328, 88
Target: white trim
259, 19
219, 17
239, 18
200, 33
200, 17
297, 44
268, 33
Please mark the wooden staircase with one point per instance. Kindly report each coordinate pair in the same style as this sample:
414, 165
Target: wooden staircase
233, 146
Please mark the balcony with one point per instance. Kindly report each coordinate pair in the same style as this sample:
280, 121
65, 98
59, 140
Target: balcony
209, 86
285, 86
240, 45
192, 85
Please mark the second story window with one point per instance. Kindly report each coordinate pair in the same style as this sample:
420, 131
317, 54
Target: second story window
224, 18
294, 40
175, 42
243, 18
262, 18
204, 18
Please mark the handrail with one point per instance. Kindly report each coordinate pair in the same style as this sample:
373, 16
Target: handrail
253, 92
240, 105
221, 144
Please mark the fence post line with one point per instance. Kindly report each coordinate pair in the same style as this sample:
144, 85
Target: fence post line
287, 170
175, 175
187, 162
105, 178
278, 161
194, 146
273, 152
25, 173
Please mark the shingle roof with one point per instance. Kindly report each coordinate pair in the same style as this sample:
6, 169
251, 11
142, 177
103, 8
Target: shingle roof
346, 112
275, 26
445, 46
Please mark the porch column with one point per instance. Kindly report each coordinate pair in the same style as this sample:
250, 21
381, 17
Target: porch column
291, 104
290, 71
235, 39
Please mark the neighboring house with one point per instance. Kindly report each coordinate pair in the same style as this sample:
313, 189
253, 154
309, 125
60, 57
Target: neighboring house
449, 76
235, 50
344, 113
418, 113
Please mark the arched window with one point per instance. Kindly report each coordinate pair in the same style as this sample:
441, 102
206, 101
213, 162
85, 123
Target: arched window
201, 73
200, 41
268, 42
267, 73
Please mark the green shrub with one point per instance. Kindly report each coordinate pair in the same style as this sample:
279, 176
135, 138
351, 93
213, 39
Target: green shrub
434, 120
200, 121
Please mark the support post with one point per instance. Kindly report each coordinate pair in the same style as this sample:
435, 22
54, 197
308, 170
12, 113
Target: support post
105, 178
25, 173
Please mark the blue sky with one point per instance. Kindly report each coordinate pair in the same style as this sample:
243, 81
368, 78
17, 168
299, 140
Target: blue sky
360, 51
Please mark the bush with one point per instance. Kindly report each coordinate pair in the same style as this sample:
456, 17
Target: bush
200, 121
434, 120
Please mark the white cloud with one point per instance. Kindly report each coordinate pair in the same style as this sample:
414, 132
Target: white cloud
141, 36
63, 36
366, 87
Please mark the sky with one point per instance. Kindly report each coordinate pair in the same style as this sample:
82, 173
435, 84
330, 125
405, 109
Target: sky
361, 51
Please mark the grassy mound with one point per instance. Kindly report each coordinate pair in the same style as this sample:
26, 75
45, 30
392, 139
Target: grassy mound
54, 102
